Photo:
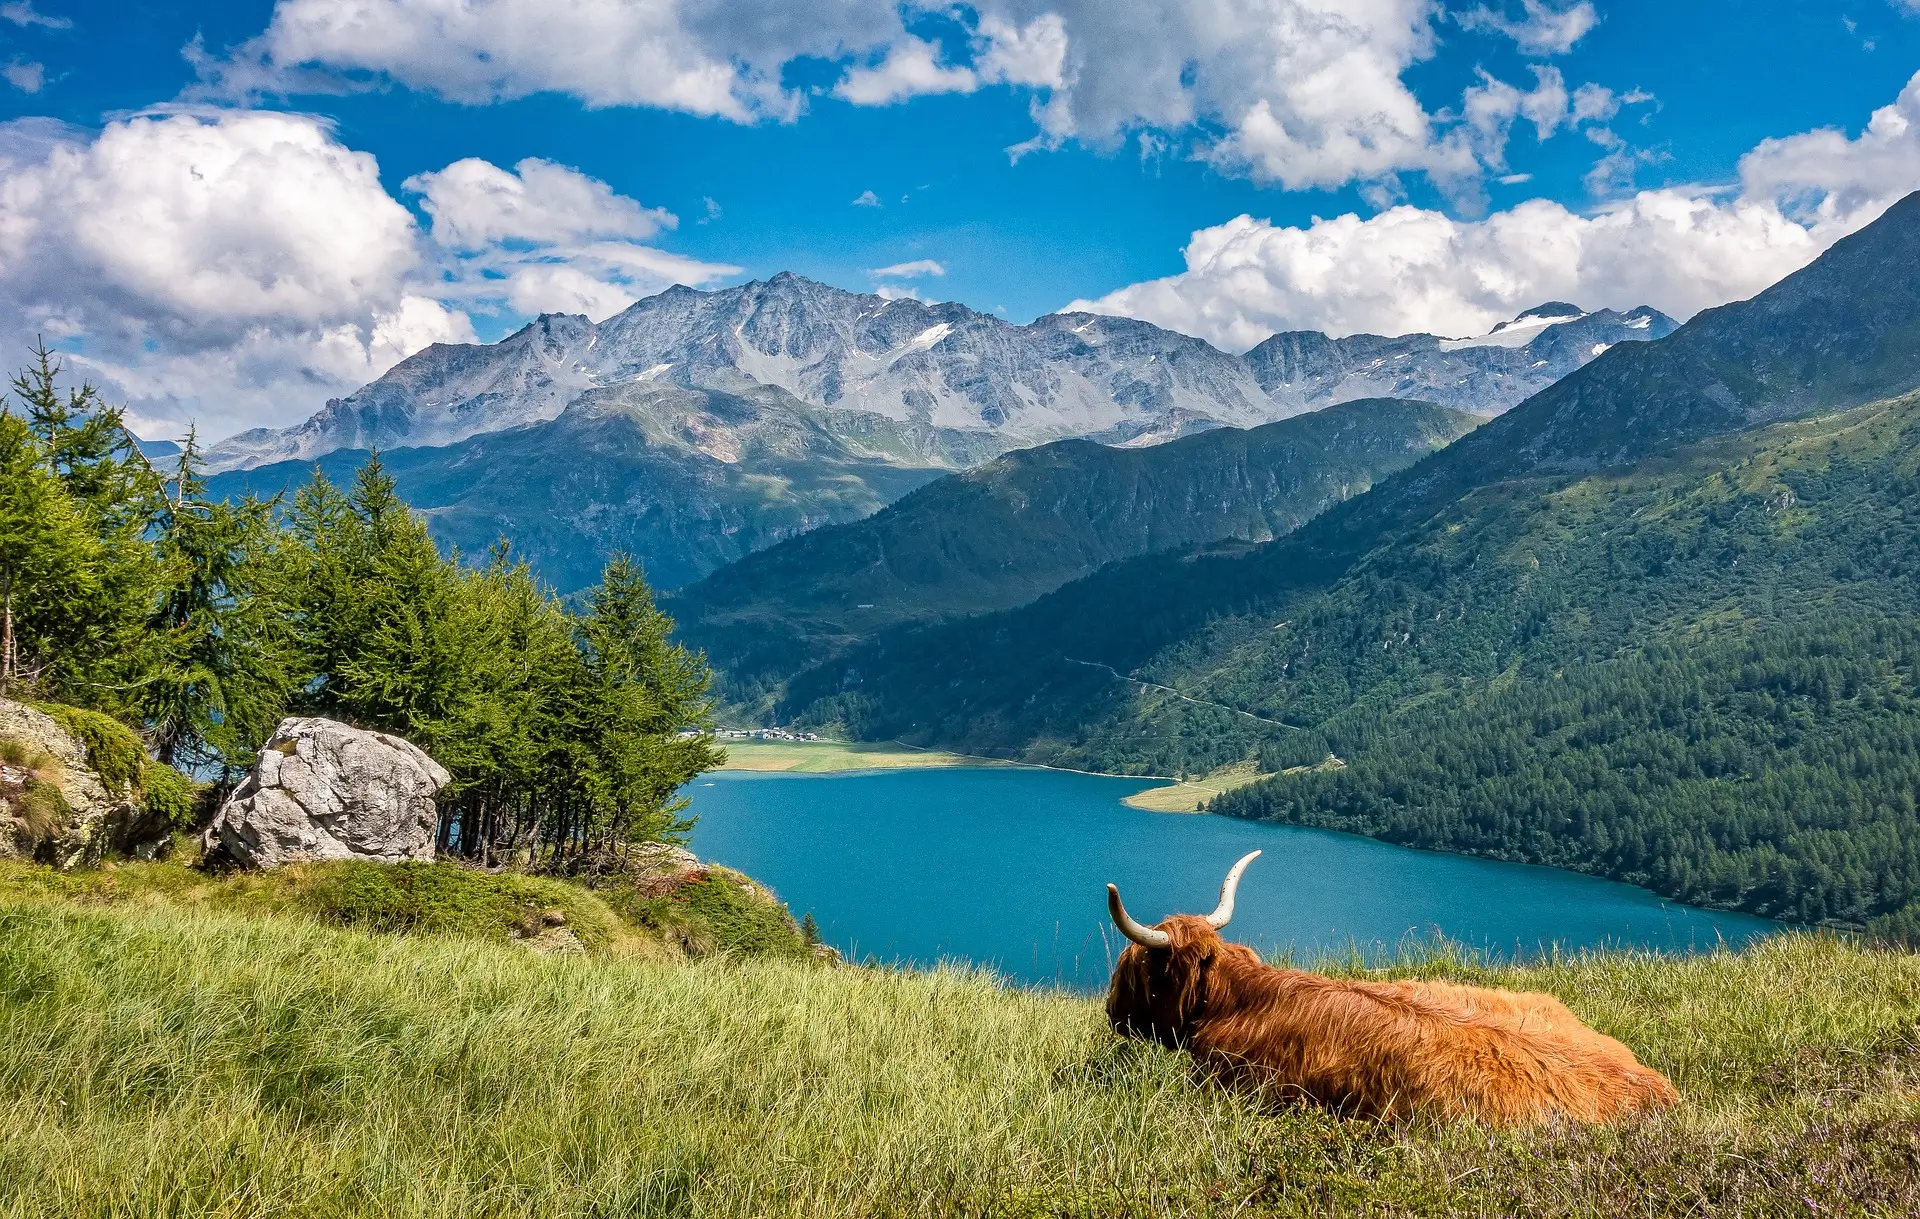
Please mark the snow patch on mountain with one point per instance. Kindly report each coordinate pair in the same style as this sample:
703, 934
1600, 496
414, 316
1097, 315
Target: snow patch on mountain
932, 365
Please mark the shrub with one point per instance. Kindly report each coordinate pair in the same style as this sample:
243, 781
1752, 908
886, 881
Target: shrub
715, 910
169, 796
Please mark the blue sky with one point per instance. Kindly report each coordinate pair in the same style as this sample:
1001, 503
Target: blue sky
714, 143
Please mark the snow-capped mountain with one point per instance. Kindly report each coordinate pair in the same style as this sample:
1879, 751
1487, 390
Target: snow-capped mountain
1306, 370
984, 384
943, 366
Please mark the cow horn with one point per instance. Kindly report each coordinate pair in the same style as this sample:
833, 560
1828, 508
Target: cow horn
1223, 913
1146, 937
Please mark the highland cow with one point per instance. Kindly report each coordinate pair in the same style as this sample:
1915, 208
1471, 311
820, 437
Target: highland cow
1373, 1049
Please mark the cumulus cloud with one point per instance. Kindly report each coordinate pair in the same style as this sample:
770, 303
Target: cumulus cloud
242, 266
866, 198
1410, 269
475, 204
1827, 178
909, 270
544, 238
1306, 93
1544, 27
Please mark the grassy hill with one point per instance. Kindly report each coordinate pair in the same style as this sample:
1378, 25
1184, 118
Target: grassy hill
1020, 526
165, 1059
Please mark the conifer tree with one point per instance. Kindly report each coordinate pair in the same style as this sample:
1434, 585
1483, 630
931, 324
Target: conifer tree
220, 681
49, 559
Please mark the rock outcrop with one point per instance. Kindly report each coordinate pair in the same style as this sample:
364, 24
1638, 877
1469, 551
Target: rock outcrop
323, 790
54, 808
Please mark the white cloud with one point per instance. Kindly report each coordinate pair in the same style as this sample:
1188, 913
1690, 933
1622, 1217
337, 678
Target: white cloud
911, 68
239, 267
475, 204
24, 75
1545, 27
21, 12
1491, 107
1409, 269
1823, 176
1306, 93
909, 270
867, 198
701, 58
1033, 54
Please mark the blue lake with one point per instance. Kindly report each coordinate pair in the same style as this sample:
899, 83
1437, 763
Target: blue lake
1007, 867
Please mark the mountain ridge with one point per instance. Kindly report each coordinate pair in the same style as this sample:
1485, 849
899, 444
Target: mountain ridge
938, 365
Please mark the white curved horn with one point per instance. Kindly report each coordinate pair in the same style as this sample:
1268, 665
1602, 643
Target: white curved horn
1146, 937
1223, 913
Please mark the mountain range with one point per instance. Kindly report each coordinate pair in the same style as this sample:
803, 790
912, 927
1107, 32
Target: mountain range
697, 427
1655, 622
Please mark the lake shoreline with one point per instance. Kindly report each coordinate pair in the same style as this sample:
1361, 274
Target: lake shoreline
1178, 795
832, 757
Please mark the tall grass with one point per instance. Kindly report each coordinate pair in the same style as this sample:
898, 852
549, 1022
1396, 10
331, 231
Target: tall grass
166, 1060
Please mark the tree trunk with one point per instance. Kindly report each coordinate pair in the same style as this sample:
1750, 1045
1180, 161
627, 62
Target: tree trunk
6, 633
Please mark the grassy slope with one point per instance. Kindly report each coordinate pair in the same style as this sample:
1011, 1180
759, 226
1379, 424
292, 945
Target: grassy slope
716, 911
165, 1061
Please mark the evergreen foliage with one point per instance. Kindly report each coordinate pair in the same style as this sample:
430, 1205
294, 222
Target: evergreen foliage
129, 596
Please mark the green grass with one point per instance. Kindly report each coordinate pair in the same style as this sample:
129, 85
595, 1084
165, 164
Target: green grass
706, 913
1191, 795
162, 1059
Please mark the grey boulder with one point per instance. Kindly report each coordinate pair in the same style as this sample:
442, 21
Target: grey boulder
322, 790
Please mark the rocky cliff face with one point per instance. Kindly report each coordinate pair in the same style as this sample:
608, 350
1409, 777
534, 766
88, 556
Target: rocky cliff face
54, 807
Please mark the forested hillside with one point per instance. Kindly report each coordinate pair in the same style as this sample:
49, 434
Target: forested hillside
1022, 525
1689, 668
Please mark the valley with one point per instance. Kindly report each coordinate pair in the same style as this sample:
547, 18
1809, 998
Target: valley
1563, 571
696, 428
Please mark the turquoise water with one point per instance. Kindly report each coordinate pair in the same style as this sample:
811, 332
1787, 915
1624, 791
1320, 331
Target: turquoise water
1008, 867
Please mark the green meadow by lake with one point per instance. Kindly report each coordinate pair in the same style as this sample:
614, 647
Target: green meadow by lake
1005, 866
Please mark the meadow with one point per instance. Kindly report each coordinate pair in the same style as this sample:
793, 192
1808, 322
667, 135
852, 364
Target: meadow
827, 757
166, 1054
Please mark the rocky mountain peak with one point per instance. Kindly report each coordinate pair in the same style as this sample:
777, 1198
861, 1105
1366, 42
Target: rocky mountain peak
929, 364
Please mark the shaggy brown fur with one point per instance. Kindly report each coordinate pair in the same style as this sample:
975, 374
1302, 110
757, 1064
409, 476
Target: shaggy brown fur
1375, 1049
